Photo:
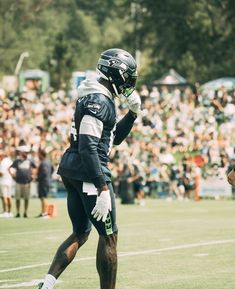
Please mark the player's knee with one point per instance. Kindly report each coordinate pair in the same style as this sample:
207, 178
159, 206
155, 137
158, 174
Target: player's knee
110, 241
82, 238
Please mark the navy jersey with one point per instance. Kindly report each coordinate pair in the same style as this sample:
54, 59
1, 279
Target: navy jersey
45, 171
23, 170
93, 131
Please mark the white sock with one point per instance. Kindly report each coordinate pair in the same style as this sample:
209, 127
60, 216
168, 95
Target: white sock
49, 282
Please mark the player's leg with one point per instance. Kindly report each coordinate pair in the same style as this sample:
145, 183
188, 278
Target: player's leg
106, 260
66, 253
43, 190
26, 196
6, 191
4, 205
44, 205
9, 200
81, 229
106, 257
3, 198
17, 199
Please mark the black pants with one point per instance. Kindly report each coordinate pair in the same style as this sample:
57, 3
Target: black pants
80, 205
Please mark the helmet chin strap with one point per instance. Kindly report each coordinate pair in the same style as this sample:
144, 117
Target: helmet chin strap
116, 94
114, 87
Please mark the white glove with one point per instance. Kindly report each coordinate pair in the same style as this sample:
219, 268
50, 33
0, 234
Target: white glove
134, 102
102, 207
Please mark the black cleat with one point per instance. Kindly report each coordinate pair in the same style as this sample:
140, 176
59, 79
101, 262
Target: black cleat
17, 215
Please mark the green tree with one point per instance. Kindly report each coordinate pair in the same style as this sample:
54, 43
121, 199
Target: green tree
194, 37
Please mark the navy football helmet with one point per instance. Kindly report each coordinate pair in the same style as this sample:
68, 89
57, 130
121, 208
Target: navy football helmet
120, 69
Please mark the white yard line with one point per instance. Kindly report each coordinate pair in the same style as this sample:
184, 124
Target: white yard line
30, 232
65, 231
7, 280
24, 284
24, 267
201, 255
137, 253
179, 247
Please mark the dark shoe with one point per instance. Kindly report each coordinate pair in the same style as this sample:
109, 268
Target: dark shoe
25, 215
17, 215
43, 216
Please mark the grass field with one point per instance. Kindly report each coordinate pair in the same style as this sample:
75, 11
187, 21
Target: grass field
163, 245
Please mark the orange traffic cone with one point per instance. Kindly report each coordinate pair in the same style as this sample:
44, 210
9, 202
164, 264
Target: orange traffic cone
52, 210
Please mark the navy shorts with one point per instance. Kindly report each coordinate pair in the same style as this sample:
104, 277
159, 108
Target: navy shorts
81, 200
137, 187
43, 190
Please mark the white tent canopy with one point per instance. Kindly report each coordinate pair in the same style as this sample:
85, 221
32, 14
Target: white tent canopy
171, 78
226, 82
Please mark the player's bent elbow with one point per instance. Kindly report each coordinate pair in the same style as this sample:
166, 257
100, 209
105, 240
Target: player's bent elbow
117, 141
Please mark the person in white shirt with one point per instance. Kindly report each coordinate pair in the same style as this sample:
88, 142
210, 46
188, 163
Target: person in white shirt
6, 183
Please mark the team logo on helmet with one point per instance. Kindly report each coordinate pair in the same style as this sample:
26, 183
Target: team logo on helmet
116, 63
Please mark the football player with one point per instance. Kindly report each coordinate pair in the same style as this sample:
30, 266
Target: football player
84, 165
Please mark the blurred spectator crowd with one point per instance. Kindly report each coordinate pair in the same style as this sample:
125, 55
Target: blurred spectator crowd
179, 134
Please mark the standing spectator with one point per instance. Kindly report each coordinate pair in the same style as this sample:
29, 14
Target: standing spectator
175, 182
164, 181
6, 183
22, 170
125, 189
188, 181
138, 186
44, 173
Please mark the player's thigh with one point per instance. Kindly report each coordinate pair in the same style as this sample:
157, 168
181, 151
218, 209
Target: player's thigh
109, 226
18, 191
1, 191
6, 192
25, 191
80, 221
43, 190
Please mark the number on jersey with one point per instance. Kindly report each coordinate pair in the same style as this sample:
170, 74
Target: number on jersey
73, 131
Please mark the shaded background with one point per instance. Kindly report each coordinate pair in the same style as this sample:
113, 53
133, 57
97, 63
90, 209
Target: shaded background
196, 38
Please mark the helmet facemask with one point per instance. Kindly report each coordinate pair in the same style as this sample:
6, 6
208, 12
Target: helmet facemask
129, 86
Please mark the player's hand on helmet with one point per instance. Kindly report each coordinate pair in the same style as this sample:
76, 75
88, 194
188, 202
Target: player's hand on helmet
134, 102
103, 206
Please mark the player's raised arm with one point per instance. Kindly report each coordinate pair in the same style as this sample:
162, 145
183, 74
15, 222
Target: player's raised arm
125, 125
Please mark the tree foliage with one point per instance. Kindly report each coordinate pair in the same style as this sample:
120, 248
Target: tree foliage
194, 37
